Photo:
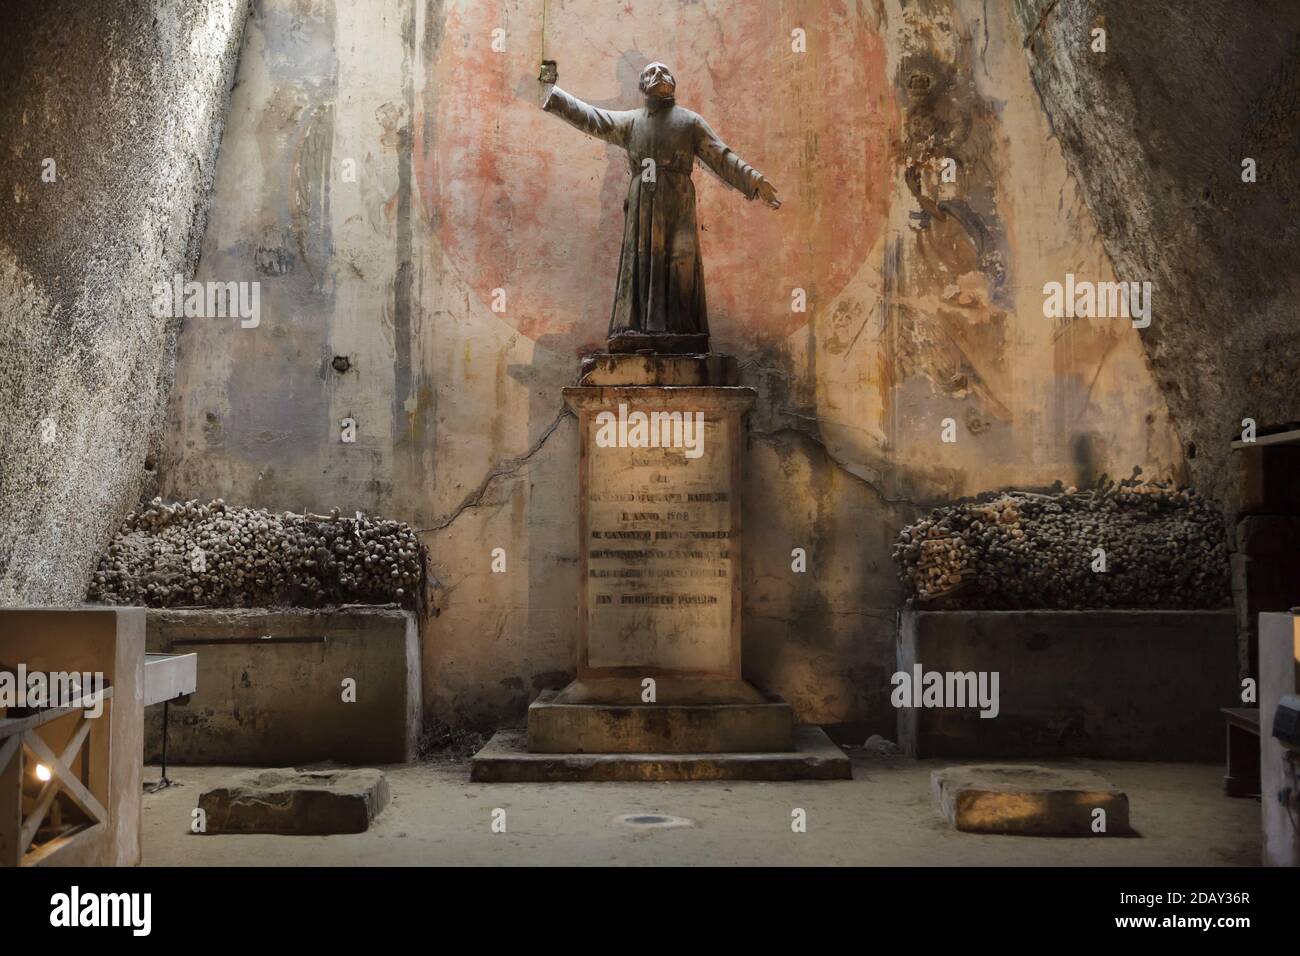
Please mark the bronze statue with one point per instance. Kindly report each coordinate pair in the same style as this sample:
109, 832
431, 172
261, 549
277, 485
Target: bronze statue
659, 301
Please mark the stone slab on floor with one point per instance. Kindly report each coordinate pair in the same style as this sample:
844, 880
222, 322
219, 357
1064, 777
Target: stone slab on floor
1024, 800
506, 759
606, 717
299, 802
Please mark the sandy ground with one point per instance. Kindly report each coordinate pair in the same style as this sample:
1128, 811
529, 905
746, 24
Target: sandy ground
884, 816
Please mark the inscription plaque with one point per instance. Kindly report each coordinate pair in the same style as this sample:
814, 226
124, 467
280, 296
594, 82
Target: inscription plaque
660, 533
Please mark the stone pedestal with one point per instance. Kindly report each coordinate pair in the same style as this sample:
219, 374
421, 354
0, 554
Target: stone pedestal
659, 692
659, 523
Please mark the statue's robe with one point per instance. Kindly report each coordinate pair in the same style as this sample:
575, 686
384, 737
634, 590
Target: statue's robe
660, 278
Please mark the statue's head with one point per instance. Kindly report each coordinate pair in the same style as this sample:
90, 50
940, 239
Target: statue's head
657, 81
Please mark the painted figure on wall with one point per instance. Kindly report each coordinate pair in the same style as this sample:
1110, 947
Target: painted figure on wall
659, 301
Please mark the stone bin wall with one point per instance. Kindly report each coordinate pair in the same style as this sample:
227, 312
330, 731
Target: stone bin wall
271, 686
1129, 685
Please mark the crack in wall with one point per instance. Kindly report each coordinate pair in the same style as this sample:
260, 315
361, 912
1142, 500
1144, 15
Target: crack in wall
812, 439
503, 470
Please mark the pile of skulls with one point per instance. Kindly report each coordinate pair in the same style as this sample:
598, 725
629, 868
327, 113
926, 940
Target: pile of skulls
207, 554
1131, 544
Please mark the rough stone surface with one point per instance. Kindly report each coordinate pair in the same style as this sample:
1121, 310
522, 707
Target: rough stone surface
304, 802
128, 98
1155, 129
1022, 800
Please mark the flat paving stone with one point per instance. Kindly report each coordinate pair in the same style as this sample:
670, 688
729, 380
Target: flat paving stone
300, 802
1025, 800
506, 759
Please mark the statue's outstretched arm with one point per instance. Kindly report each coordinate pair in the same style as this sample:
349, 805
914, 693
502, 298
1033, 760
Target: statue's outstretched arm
731, 169
610, 125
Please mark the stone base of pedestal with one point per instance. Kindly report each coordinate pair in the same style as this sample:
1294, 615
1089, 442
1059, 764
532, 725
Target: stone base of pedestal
506, 759
660, 538
624, 369
660, 342
609, 716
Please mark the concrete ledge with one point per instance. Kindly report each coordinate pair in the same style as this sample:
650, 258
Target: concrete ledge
169, 676
1025, 800
270, 686
1128, 685
506, 759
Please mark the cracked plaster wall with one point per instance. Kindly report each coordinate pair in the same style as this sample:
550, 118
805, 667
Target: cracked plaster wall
924, 303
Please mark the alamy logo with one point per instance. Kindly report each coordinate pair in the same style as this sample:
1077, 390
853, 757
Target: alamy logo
208, 300
950, 689
75, 908
21, 688
1098, 300
651, 430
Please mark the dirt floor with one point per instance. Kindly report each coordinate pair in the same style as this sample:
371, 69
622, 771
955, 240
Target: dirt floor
884, 816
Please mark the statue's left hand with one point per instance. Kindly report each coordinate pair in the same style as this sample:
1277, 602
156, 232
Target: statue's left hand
767, 193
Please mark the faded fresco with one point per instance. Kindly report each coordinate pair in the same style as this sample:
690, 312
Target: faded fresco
435, 254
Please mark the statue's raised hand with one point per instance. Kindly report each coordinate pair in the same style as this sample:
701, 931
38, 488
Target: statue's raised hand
767, 193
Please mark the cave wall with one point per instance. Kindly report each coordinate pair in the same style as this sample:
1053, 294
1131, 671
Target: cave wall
385, 170
1155, 129
110, 119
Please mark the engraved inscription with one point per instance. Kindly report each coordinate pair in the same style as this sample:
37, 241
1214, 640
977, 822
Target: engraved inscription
659, 555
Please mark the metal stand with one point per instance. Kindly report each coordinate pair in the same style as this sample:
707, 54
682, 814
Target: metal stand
163, 783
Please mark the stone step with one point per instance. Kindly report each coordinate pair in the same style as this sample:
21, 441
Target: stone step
506, 759
607, 716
